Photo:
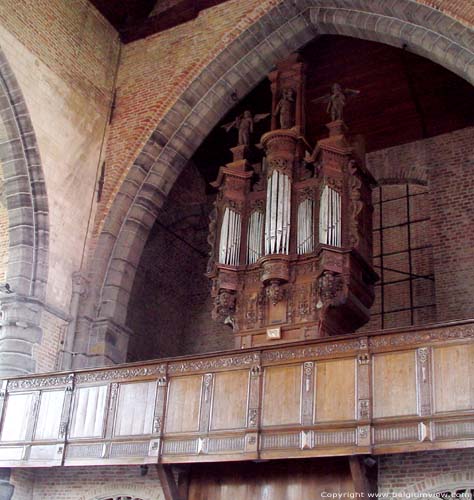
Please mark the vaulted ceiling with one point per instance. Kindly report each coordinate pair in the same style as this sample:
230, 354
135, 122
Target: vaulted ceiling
135, 19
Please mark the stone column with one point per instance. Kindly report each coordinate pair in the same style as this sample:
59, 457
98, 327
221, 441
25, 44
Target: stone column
19, 332
6, 488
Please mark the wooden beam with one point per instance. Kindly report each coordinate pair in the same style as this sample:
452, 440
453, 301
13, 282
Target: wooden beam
183, 481
168, 483
364, 476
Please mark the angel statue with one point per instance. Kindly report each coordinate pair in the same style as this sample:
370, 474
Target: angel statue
285, 108
244, 124
336, 100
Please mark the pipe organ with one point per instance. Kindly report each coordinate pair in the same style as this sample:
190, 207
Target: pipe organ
291, 236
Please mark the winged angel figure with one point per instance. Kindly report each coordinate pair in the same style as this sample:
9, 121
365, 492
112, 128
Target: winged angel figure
336, 100
244, 124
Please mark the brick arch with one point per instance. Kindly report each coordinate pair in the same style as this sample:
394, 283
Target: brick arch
283, 29
448, 481
390, 166
28, 228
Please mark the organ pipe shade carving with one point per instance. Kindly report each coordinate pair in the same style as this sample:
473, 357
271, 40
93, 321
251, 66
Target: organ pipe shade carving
330, 217
255, 237
229, 243
305, 237
277, 221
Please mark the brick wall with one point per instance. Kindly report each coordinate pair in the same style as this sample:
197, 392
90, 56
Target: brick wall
452, 192
403, 257
446, 163
170, 307
426, 471
64, 56
86, 483
23, 480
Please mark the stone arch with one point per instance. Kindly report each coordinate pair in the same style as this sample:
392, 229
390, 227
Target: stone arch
285, 28
28, 228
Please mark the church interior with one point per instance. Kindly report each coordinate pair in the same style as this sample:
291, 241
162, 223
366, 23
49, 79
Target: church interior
236, 249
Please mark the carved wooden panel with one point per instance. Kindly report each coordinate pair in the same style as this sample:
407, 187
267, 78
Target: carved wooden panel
282, 395
453, 377
335, 397
88, 413
135, 409
229, 405
394, 384
49, 416
17, 413
184, 396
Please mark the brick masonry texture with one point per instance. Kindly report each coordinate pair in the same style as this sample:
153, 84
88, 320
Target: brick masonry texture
64, 56
445, 163
86, 483
426, 471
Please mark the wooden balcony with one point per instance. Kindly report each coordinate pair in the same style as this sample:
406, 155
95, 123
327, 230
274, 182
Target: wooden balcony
396, 391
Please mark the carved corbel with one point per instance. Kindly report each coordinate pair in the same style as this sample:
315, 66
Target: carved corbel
330, 289
275, 292
224, 307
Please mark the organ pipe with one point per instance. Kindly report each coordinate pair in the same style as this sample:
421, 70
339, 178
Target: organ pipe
229, 243
330, 217
305, 239
254, 237
277, 223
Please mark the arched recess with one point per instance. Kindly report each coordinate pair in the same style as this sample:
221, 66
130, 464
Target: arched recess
28, 229
238, 68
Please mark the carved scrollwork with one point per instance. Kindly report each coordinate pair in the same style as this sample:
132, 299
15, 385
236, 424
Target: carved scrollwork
234, 205
253, 417
364, 408
257, 205
214, 363
307, 193
333, 183
409, 338
284, 165
311, 351
120, 374
37, 383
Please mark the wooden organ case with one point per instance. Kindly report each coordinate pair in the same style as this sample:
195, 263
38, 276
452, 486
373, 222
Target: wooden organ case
291, 233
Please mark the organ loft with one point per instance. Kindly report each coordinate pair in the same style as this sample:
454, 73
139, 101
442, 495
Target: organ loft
291, 232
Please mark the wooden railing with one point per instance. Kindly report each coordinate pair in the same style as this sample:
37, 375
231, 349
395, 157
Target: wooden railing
400, 390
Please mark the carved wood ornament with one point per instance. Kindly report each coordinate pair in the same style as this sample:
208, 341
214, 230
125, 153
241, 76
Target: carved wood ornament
291, 235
